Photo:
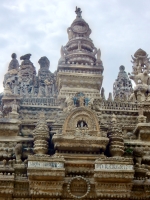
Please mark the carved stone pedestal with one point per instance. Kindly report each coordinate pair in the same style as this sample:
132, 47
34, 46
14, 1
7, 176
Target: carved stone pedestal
113, 177
46, 176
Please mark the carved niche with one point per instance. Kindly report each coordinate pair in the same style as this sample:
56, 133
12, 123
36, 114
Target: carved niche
81, 118
80, 129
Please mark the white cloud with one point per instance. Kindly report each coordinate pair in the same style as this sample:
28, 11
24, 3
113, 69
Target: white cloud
119, 28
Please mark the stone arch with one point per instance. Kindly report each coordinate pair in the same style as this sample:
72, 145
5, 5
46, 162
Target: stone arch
79, 114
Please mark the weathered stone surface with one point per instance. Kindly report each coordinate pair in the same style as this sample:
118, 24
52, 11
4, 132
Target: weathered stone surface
59, 136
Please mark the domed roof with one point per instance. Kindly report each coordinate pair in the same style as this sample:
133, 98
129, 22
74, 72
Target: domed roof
79, 26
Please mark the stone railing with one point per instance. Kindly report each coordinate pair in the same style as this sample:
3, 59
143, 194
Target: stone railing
114, 105
80, 71
39, 101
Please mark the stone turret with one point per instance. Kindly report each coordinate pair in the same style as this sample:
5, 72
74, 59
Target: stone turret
122, 87
116, 139
41, 136
80, 60
80, 48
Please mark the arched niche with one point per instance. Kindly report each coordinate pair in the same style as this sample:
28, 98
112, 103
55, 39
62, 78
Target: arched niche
79, 115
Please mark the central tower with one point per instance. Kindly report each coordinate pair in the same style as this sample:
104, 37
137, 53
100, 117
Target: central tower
80, 67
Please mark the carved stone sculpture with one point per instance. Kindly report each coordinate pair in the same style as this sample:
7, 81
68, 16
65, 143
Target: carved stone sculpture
140, 74
103, 93
18, 152
138, 153
14, 63
44, 63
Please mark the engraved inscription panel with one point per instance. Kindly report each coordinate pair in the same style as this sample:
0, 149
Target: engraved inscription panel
113, 167
36, 164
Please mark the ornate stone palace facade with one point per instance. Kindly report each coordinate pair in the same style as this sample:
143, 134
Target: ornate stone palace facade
60, 138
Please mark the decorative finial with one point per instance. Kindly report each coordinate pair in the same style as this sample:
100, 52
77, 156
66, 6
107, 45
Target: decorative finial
78, 12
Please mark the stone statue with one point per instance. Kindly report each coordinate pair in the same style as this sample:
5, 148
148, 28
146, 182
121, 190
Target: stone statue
47, 93
7, 90
70, 103
79, 45
18, 152
90, 104
14, 63
87, 100
99, 55
14, 106
138, 154
15, 89
110, 96
41, 91
103, 93
78, 12
95, 51
32, 91
81, 101
75, 100
81, 124
62, 52
70, 33
44, 63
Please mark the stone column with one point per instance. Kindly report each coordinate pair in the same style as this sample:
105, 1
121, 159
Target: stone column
117, 144
41, 135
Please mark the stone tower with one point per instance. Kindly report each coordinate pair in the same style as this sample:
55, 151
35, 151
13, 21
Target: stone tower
80, 67
122, 87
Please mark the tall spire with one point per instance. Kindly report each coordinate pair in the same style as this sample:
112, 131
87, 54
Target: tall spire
79, 55
80, 48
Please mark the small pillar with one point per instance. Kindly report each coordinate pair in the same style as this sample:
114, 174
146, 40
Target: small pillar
41, 136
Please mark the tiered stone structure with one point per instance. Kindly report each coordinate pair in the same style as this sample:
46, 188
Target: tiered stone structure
59, 136
122, 87
80, 67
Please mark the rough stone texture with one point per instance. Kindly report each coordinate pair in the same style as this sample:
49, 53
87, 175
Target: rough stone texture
122, 87
59, 136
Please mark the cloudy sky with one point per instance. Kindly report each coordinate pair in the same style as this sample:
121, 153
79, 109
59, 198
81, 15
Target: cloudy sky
119, 28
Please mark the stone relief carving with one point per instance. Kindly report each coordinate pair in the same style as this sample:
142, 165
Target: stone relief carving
76, 182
